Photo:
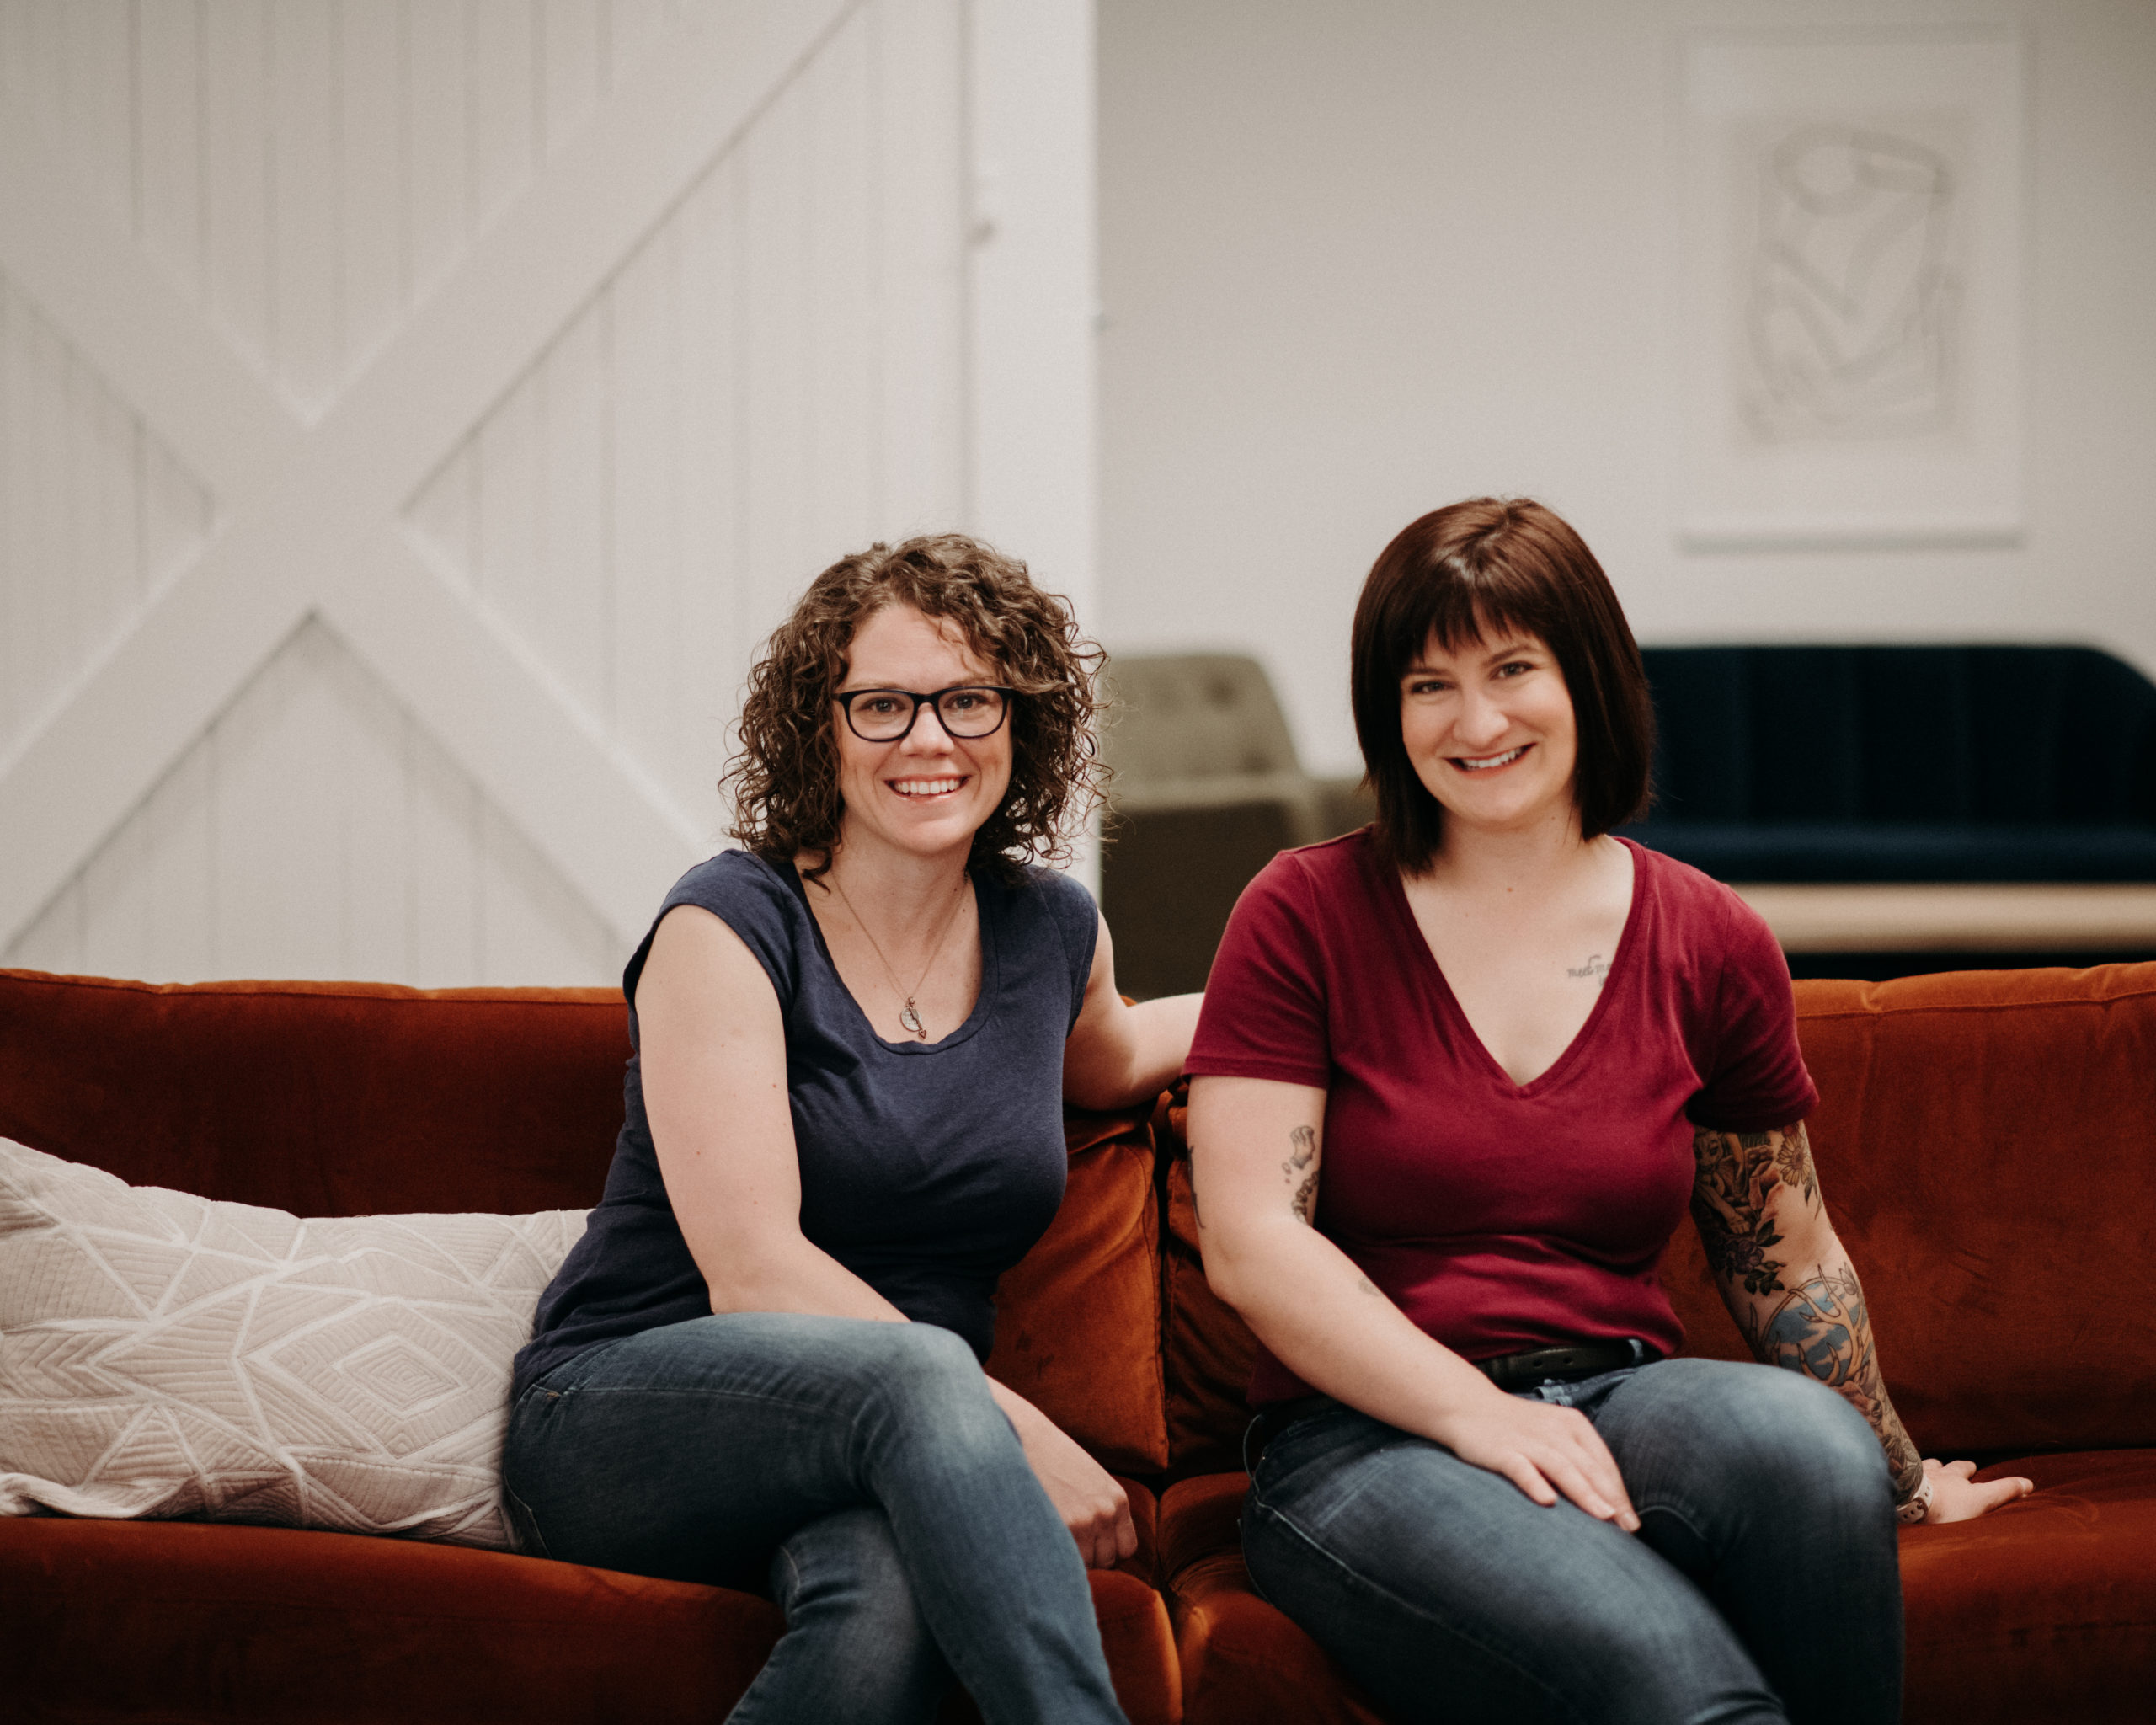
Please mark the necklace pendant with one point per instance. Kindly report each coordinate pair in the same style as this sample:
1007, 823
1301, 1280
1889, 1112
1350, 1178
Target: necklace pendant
911, 1019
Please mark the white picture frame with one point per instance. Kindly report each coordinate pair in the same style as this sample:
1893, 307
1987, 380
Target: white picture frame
1850, 293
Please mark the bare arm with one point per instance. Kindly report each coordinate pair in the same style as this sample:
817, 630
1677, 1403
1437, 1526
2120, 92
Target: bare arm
1788, 1282
713, 1060
1120, 1055
1256, 1153
714, 1083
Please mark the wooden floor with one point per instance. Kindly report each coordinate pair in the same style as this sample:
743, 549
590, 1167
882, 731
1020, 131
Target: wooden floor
1956, 918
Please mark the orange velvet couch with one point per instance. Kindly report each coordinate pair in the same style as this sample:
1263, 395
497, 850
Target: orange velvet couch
330, 1099
1988, 1142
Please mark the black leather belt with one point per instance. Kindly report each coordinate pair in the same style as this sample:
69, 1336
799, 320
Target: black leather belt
1545, 1365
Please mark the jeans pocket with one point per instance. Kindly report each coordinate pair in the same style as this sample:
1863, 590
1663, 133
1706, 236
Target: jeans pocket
1292, 1444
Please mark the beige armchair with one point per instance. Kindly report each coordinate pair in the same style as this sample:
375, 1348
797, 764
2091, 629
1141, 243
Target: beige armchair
1207, 789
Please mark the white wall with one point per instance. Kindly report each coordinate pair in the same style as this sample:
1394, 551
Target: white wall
1363, 258
412, 414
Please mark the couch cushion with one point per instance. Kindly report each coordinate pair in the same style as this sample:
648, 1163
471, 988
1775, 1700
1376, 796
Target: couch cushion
1987, 1145
1244, 1662
179, 1622
164, 1355
1078, 1318
1207, 1347
2045, 1610
174, 1620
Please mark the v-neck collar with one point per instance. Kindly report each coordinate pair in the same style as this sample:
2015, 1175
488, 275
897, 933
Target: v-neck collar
1394, 892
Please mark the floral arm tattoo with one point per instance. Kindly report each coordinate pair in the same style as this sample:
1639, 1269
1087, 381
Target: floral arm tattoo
1301, 1170
1749, 1187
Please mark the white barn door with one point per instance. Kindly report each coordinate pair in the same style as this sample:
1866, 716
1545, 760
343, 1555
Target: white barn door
413, 413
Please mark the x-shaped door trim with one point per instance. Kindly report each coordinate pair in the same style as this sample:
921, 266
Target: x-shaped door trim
311, 516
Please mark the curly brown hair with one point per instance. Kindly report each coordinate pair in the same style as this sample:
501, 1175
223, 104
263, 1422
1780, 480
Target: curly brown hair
784, 776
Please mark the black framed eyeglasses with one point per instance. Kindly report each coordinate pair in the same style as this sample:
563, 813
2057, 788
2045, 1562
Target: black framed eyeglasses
970, 711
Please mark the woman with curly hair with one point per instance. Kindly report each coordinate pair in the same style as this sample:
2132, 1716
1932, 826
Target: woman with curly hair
761, 1365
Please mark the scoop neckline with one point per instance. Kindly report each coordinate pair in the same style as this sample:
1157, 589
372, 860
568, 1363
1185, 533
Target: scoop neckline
1574, 1052
912, 1048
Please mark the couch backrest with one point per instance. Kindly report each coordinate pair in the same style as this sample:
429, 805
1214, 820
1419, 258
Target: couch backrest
1917, 734
323, 1098
1987, 1140
330, 1099
1987, 1144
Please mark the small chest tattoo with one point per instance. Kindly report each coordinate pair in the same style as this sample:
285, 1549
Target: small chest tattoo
1596, 968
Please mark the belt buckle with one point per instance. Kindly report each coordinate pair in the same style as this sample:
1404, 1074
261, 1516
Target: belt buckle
1567, 1362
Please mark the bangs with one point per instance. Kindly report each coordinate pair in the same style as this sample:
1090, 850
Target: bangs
1457, 606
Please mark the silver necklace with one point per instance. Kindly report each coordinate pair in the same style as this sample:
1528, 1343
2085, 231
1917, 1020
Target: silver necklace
909, 1014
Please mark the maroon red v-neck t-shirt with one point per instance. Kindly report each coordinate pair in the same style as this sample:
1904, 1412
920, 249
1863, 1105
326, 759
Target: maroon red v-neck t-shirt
1501, 1216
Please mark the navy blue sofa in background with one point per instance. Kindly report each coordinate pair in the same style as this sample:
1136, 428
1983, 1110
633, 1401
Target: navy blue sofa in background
1825, 766
1926, 763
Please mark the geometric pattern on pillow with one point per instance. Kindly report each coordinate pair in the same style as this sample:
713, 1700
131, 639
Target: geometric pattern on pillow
163, 1354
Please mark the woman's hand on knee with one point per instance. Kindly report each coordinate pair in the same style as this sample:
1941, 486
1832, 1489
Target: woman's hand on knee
1957, 1497
1545, 1451
1094, 1507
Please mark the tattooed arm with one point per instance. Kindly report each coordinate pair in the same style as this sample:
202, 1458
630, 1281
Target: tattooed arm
1256, 1153
1789, 1283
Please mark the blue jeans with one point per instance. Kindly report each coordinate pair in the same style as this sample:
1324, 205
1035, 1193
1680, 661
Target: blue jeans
1763, 1583
861, 1472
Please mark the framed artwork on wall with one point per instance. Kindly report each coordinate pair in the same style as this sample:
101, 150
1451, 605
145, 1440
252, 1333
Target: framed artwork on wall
1850, 294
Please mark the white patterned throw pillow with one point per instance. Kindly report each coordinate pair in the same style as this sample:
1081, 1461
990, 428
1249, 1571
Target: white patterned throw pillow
165, 1355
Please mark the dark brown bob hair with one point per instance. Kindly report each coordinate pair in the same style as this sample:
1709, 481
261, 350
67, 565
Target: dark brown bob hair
1469, 570
784, 775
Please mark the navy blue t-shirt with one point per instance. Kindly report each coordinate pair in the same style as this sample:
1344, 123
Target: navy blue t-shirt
927, 1169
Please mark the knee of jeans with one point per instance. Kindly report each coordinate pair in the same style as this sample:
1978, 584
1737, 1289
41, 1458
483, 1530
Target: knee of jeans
926, 1365
1813, 1440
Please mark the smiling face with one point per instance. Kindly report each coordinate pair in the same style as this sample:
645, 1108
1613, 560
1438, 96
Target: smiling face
1489, 729
928, 793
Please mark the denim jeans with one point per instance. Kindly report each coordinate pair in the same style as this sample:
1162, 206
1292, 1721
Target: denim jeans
1763, 1583
861, 1472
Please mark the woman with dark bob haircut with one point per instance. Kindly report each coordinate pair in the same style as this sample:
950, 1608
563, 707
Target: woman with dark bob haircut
761, 1365
1519, 1047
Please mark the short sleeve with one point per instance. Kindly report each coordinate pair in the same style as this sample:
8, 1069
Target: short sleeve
1077, 922
1265, 1014
1758, 1081
743, 892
